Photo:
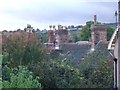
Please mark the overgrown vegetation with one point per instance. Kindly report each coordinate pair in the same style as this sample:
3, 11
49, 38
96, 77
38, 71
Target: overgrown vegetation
85, 34
23, 55
97, 69
19, 50
19, 77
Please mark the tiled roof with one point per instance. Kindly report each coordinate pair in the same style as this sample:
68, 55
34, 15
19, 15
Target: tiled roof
75, 51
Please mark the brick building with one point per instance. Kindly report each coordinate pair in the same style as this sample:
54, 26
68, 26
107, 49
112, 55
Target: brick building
51, 36
77, 51
98, 33
59, 36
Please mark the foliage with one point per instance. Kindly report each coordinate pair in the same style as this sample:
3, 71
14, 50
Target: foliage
23, 48
89, 23
20, 78
58, 73
0, 83
110, 31
45, 37
75, 37
97, 69
20, 48
42, 36
85, 33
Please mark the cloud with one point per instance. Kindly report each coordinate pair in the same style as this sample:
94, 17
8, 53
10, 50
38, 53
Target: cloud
42, 13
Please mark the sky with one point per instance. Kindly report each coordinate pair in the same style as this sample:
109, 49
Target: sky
15, 14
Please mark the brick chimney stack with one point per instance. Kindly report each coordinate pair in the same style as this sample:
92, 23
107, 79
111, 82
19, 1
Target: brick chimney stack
60, 27
51, 36
95, 19
98, 33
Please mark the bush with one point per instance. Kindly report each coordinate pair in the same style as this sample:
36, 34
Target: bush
97, 68
22, 49
21, 78
58, 73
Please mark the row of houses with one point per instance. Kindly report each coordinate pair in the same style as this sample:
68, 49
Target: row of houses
59, 41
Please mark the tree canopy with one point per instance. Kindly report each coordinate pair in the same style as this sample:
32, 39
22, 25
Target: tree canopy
85, 34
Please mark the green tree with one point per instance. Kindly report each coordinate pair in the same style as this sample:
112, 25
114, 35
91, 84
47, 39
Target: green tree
21, 77
97, 69
23, 49
110, 31
85, 33
89, 23
75, 37
58, 73
42, 36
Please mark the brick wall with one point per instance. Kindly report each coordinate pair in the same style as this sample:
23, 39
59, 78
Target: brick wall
98, 33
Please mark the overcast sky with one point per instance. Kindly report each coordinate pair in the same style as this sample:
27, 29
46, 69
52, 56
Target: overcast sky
40, 14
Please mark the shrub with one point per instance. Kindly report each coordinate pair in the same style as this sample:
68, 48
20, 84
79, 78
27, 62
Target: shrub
97, 69
22, 49
58, 73
21, 78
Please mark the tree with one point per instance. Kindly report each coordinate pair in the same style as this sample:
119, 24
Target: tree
44, 37
59, 72
23, 48
85, 34
21, 77
97, 69
110, 31
89, 23
75, 36
72, 26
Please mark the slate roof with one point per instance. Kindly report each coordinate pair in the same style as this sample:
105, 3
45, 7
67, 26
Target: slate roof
102, 47
74, 51
77, 51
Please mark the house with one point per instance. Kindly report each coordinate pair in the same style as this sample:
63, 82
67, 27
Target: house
59, 42
113, 44
114, 49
